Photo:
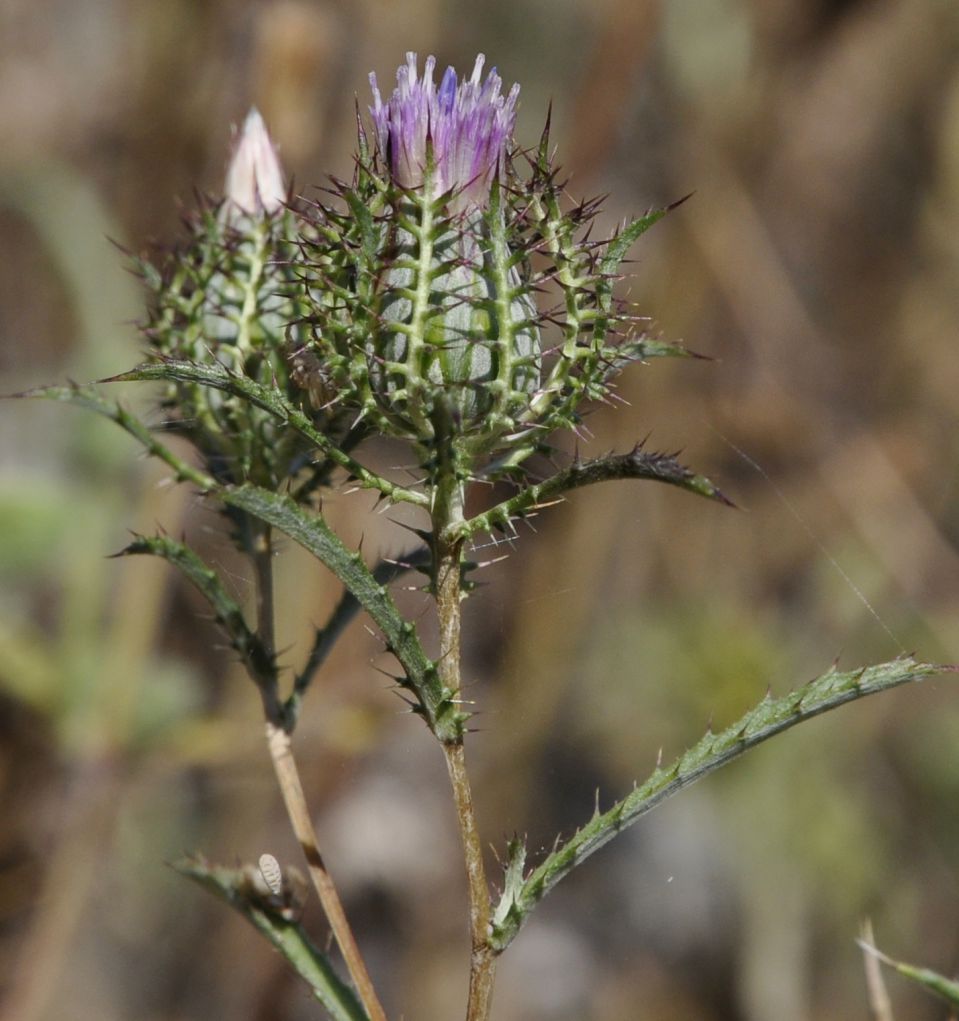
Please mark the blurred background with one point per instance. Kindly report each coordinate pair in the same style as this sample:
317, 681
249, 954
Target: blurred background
816, 264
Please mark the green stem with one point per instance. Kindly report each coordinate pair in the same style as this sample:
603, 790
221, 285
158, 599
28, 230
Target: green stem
262, 554
258, 540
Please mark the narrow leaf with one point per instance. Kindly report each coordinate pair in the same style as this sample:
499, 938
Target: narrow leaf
643, 348
946, 989
87, 397
434, 701
259, 662
340, 617
236, 888
618, 247
613, 257
637, 464
768, 718
274, 403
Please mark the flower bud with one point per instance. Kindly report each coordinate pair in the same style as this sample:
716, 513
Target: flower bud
229, 295
254, 180
474, 350
452, 139
425, 320
447, 335
457, 327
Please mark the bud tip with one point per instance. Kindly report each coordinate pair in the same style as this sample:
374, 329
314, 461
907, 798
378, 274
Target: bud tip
254, 179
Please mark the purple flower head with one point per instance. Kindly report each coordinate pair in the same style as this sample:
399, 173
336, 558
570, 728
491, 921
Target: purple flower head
469, 125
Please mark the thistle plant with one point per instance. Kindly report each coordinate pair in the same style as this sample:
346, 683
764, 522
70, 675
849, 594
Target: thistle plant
450, 296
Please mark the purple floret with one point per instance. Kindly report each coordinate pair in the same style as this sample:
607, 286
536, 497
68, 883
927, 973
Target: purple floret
470, 125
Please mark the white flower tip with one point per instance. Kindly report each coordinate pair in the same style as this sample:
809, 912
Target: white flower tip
254, 179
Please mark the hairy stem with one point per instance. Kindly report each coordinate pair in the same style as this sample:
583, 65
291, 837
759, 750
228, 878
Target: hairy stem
288, 777
447, 516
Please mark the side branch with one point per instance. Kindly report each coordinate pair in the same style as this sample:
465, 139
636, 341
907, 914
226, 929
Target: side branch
258, 659
434, 700
258, 645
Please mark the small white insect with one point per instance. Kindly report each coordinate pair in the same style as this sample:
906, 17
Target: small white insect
272, 873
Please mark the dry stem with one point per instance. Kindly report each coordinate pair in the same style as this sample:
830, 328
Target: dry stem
482, 957
288, 777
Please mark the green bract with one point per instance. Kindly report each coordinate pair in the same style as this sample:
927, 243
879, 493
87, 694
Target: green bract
457, 332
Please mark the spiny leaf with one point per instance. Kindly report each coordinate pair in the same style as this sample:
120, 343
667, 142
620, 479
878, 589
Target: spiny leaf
666, 468
87, 397
312, 532
643, 348
637, 464
310, 963
611, 260
617, 248
344, 612
768, 718
272, 401
260, 663
946, 989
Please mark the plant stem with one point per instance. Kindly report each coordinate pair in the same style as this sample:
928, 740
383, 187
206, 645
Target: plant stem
278, 741
259, 543
482, 956
291, 788
262, 552
447, 515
